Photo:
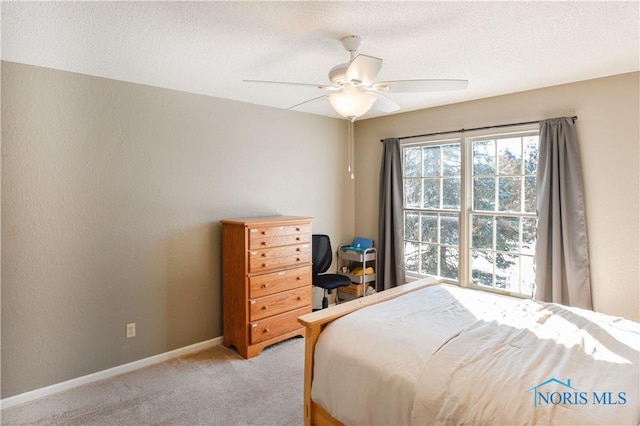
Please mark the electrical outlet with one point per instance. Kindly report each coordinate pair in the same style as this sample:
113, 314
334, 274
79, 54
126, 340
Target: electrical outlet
131, 330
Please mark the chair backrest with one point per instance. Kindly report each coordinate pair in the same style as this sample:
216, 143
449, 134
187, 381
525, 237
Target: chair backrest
321, 254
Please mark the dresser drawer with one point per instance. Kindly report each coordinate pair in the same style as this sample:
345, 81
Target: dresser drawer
278, 257
280, 262
275, 282
272, 231
278, 303
274, 326
279, 236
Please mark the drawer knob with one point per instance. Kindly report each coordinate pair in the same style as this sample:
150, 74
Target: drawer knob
266, 330
298, 228
265, 307
264, 265
298, 278
264, 232
264, 243
297, 259
263, 286
298, 249
264, 254
298, 238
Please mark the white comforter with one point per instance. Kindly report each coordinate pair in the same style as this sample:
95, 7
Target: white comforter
447, 355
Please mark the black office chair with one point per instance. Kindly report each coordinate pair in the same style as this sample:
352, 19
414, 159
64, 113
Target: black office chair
322, 256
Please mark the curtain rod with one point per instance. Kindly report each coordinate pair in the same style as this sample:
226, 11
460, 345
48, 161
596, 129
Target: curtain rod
496, 126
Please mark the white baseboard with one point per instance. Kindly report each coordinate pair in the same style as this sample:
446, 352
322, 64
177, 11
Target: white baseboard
105, 374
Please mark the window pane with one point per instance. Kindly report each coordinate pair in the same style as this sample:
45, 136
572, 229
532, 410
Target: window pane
451, 193
431, 161
429, 259
530, 194
482, 267
484, 195
431, 193
530, 155
411, 256
449, 229
501, 232
510, 156
528, 235
412, 162
451, 160
412, 193
411, 226
509, 193
482, 232
484, 161
449, 260
528, 275
429, 227
507, 272
508, 234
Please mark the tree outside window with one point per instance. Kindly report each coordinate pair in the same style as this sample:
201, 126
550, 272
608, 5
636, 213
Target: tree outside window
500, 219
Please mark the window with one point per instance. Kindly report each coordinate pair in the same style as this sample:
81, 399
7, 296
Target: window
469, 210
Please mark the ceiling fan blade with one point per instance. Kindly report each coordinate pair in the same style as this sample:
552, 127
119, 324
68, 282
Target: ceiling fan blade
404, 86
308, 101
317, 86
364, 69
385, 104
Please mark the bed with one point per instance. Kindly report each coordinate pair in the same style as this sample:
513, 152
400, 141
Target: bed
432, 353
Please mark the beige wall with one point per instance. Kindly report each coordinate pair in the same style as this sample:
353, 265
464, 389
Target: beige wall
608, 131
112, 195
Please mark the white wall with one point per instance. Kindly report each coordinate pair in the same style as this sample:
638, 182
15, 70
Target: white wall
112, 195
608, 130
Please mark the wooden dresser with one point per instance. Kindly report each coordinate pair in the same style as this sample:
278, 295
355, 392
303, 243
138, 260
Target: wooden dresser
266, 280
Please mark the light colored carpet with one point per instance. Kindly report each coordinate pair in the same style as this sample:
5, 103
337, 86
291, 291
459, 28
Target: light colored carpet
212, 387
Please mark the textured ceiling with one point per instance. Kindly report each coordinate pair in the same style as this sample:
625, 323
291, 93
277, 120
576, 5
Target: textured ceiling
210, 47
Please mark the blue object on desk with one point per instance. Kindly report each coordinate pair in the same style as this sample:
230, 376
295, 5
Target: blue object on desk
360, 244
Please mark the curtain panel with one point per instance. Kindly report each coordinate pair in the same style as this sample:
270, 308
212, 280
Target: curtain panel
561, 256
391, 265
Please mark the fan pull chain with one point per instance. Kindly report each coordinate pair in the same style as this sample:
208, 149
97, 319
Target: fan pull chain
350, 167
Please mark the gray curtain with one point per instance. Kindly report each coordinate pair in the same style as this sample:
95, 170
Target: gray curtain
390, 221
561, 257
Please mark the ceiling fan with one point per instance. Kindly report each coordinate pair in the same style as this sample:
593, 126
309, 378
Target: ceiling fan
353, 90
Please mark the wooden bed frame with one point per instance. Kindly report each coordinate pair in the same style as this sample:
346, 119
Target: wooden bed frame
315, 323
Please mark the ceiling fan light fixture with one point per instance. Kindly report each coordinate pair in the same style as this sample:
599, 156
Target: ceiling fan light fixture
352, 105
354, 89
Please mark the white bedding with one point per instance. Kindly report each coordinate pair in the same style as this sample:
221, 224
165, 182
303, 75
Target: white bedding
450, 355
366, 364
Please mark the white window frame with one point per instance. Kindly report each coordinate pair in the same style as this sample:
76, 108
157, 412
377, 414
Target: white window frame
466, 202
